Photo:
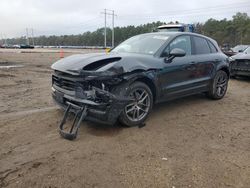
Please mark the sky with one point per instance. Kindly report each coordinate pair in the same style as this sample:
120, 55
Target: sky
59, 17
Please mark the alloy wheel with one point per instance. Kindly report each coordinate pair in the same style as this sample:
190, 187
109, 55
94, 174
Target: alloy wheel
139, 107
221, 85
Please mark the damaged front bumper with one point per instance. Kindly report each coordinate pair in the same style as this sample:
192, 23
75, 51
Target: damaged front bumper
102, 112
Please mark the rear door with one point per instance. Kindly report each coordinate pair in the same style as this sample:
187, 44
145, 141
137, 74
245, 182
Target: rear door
205, 56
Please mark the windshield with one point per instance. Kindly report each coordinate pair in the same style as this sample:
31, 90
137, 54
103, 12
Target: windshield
247, 51
239, 48
143, 44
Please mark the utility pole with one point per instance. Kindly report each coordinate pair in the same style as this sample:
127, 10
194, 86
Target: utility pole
107, 12
27, 36
5, 40
2, 41
105, 28
32, 33
113, 29
241, 37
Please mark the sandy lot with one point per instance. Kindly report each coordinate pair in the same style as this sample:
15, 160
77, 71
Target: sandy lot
191, 142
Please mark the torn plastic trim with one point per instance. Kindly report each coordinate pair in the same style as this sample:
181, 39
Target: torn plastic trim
105, 81
122, 83
103, 93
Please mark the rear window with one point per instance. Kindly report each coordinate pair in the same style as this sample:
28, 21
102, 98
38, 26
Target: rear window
201, 46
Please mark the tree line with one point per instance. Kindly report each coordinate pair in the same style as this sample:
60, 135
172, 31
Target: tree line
232, 32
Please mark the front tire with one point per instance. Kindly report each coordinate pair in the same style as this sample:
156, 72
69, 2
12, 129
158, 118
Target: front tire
233, 77
136, 112
218, 87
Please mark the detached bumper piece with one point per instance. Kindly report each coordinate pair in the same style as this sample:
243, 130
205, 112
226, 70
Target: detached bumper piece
80, 114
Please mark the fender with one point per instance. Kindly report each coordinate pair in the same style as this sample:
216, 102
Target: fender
222, 65
148, 77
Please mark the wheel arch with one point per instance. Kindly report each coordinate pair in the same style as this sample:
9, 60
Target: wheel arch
225, 69
150, 84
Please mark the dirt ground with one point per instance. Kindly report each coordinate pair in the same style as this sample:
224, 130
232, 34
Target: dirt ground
190, 142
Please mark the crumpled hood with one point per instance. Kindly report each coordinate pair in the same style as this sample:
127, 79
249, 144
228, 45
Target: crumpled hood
100, 62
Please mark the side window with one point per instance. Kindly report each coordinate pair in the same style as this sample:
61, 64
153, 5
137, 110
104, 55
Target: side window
201, 46
182, 42
212, 47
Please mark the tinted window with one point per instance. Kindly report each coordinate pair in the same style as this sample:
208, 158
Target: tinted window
212, 47
201, 46
182, 42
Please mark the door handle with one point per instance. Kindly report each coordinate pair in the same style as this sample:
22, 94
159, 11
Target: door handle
191, 66
192, 63
217, 60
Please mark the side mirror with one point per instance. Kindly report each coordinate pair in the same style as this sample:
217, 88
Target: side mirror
176, 52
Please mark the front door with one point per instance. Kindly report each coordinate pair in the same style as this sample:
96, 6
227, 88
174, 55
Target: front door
176, 77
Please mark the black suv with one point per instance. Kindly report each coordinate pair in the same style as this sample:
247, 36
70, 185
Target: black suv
145, 69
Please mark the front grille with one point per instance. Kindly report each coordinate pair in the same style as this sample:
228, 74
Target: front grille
64, 83
243, 64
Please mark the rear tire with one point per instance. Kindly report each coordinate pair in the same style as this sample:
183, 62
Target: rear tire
136, 112
218, 86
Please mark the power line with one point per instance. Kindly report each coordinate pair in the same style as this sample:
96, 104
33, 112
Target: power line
95, 24
174, 12
80, 25
178, 16
96, 21
113, 29
105, 27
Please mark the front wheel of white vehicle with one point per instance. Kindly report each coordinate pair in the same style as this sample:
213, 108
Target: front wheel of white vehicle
136, 112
